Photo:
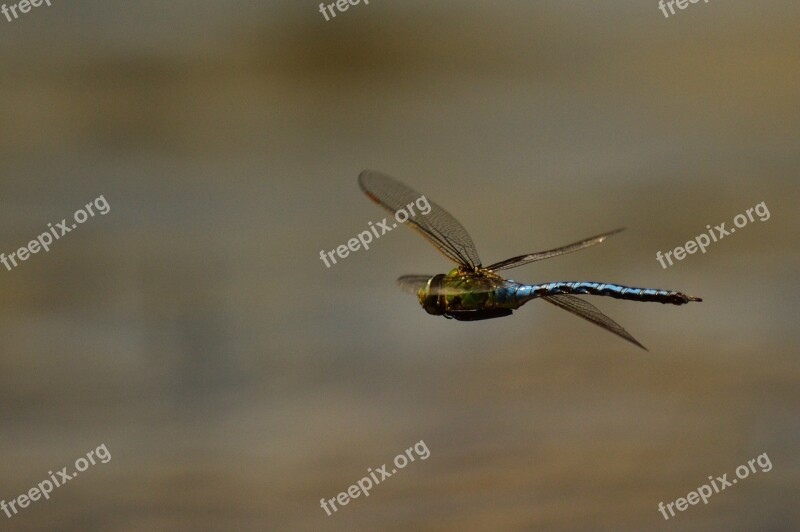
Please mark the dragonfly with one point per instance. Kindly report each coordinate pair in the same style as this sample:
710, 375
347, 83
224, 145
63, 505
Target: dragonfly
471, 291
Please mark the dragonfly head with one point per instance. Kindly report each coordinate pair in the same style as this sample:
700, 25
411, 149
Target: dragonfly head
429, 295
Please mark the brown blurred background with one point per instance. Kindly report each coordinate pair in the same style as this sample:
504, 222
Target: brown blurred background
236, 381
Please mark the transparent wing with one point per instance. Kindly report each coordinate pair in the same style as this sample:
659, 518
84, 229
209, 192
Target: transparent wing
587, 311
438, 226
411, 284
533, 257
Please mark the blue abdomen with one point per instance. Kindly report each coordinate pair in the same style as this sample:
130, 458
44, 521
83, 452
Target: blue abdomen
527, 292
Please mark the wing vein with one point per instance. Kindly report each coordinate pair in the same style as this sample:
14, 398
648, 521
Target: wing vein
438, 226
541, 255
589, 312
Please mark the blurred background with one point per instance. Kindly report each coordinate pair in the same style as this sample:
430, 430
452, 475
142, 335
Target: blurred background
236, 380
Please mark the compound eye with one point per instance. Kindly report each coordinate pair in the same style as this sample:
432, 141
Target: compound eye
431, 306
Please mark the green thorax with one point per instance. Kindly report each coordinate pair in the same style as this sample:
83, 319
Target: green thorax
462, 290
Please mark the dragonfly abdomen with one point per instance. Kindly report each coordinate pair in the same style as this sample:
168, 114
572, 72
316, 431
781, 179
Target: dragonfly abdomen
604, 289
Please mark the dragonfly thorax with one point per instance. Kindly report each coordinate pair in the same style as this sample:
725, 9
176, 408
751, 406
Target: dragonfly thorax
464, 294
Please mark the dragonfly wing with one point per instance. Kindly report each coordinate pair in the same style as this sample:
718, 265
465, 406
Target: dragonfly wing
438, 226
533, 257
587, 311
411, 284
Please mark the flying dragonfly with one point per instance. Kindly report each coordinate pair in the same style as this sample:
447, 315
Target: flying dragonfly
471, 291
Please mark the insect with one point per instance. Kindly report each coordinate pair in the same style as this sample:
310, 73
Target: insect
472, 291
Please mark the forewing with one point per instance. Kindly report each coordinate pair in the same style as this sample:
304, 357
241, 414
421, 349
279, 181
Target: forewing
438, 226
539, 255
587, 311
411, 284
